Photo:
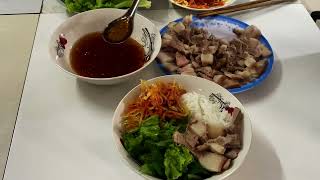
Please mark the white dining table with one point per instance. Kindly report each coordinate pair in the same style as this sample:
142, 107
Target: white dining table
64, 126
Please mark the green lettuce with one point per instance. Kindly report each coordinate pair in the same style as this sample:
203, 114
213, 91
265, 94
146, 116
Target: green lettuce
74, 6
150, 128
152, 146
176, 160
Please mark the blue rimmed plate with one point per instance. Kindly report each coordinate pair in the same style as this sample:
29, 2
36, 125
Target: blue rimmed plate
221, 27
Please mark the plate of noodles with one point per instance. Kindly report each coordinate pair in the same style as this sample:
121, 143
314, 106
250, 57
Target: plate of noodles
202, 5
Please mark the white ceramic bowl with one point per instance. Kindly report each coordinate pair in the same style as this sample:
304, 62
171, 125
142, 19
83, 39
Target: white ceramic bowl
227, 3
214, 92
62, 40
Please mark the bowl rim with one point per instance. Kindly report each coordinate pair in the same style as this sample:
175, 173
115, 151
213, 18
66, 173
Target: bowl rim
177, 76
241, 24
70, 19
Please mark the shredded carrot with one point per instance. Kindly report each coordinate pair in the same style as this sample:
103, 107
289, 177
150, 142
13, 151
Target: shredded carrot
201, 4
159, 98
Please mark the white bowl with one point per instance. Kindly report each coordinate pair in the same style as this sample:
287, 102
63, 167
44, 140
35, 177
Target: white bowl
213, 91
227, 3
144, 32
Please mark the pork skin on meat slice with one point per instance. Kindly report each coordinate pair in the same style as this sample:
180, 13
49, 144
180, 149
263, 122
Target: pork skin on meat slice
181, 139
249, 61
233, 76
187, 70
212, 162
229, 141
226, 165
200, 74
235, 141
230, 83
260, 66
215, 129
253, 43
238, 32
212, 49
200, 129
181, 60
195, 64
264, 51
207, 70
216, 148
252, 32
178, 27
232, 154
203, 147
166, 57
222, 49
192, 139
219, 79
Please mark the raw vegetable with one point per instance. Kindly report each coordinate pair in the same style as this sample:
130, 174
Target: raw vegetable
176, 160
151, 145
85, 5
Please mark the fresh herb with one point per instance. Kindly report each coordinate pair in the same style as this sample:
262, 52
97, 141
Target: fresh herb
74, 6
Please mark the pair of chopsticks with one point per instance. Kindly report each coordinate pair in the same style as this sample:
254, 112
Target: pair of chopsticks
243, 6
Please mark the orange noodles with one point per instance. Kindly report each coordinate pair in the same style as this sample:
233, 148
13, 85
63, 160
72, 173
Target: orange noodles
201, 4
158, 98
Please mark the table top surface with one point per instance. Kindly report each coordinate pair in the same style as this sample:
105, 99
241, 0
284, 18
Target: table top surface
15, 54
63, 128
20, 6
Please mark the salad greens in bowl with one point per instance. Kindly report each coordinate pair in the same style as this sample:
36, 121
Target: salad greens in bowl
181, 127
76, 6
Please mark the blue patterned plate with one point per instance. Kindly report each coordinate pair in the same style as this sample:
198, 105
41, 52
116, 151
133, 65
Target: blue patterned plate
221, 27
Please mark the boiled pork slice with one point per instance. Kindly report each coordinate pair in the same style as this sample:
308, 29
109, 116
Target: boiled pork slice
212, 162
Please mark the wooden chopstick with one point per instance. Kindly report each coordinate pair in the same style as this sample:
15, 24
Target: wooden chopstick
243, 6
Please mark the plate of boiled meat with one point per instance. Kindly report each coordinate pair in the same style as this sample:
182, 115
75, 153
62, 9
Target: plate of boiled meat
224, 50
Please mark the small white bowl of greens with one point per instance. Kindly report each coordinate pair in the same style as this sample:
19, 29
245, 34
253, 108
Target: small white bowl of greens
181, 127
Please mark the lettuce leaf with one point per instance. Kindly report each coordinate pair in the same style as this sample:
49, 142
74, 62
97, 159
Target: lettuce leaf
133, 143
150, 128
176, 160
152, 146
74, 6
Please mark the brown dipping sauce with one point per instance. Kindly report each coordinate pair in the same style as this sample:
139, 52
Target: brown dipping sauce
119, 32
92, 57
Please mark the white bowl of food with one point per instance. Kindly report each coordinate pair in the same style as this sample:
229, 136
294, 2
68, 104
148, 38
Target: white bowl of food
77, 47
179, 126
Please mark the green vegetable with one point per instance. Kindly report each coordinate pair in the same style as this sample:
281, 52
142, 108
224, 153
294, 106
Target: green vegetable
153, 163
133, 143
150, 127
195, 169
152, 146
176, 160
85, 5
